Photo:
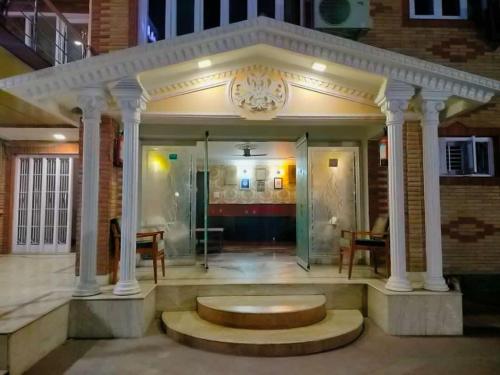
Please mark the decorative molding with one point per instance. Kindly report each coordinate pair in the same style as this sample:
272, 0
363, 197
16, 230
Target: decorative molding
261, 30
323, 86
92, 102
393, 99
258, 93
131, 99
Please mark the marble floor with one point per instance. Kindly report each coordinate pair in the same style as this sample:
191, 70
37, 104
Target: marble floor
373, 353
255, 267
30, 285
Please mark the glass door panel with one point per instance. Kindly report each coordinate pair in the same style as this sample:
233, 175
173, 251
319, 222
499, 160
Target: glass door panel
168, 198
333, 198
302, 204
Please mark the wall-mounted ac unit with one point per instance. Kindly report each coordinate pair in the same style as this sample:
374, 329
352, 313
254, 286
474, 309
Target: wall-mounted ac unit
342, 14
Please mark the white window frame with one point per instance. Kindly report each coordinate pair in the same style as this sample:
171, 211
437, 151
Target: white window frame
438, 11
442, 155
55, 247
171, 14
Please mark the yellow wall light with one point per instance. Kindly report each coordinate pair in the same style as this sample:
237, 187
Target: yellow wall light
158, 162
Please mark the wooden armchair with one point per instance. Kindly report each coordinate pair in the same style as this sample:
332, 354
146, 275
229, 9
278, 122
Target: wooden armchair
149, 243
375, 241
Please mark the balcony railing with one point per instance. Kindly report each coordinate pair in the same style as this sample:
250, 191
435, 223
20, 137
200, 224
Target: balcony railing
42, 28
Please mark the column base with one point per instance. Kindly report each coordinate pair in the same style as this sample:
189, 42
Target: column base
86, 290
436, 284
398, 284
125, 288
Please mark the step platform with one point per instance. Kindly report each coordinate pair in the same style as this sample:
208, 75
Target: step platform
263, 312
244, 325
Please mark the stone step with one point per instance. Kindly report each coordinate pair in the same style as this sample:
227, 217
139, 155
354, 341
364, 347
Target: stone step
263, 312
338, 328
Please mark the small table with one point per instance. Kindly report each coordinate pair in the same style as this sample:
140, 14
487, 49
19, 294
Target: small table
218, 231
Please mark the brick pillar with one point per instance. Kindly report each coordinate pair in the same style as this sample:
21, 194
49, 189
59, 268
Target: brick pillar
414, 188
113, 24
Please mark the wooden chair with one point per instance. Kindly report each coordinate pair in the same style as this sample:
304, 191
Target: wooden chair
149, 243
375, 241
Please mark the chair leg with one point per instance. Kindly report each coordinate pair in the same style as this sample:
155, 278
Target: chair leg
351, 260
155, 271
115, 270
163, 265
341, 259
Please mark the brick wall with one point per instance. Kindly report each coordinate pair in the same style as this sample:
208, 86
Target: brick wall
109, 195
414, 192
469, 205
113, 24
8, 152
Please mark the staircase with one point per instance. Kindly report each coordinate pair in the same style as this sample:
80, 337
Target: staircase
264, 326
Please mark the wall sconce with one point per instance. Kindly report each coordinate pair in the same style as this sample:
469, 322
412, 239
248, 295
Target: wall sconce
333, 163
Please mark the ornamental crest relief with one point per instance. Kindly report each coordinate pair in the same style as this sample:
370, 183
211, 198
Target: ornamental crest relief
259, 93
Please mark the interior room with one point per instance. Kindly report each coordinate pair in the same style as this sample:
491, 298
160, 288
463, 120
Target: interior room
251, 197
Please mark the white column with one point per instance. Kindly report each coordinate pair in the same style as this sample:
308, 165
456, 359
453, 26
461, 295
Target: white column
251, 9
431, 104
129, 96
394, 99
92, 101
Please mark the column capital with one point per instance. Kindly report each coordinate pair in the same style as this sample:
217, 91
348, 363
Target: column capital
92, 101
393, 100
131, 98
431, 104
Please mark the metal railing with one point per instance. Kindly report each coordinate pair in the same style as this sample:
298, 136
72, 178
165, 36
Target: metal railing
40, 26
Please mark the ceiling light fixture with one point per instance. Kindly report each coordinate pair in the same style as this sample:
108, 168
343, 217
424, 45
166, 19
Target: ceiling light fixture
319, 67
77, 43
204, 64
59, 137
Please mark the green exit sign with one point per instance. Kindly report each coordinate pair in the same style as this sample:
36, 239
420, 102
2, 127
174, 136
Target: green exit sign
172, 156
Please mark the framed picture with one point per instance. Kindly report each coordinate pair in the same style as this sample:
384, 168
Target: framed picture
261, 186
278, 183
245, 184
260, 174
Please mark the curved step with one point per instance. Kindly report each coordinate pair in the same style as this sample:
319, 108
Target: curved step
263, 312
339, 328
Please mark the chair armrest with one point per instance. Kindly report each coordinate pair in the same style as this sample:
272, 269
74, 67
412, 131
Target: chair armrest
150, 234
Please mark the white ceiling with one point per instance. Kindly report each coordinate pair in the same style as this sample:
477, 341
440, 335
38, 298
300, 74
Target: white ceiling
229, 151
38, 134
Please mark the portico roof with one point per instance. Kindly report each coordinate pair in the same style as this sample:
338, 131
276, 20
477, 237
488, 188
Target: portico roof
56, 88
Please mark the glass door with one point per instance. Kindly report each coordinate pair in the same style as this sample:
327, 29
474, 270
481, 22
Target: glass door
302, 204
206, 195
169, 198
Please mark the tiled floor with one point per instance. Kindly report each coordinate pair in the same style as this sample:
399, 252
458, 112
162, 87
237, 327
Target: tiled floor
30, 285
256, 267
373, 353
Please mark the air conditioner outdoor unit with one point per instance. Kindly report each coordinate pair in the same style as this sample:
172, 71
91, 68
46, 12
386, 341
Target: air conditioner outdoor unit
342, 14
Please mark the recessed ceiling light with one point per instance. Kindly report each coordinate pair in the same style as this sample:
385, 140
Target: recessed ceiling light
204, 64
59, 137
319, 67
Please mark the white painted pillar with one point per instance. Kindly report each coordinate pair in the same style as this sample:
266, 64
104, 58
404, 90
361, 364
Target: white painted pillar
92, 102
393, 99
431, 104
129, 96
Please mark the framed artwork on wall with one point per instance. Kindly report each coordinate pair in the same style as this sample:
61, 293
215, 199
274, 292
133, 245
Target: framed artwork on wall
278, 183
260, 174
245, 184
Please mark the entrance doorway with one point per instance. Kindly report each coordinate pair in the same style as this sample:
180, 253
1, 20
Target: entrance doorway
245, 200
252, 198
